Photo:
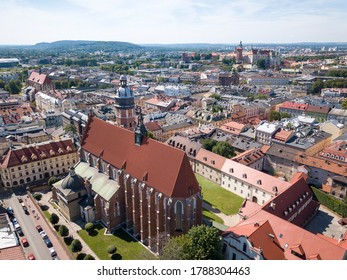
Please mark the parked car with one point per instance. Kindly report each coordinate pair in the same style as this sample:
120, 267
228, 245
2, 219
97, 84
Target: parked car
39, 228
25, 242
17, 227
10, 211
48, 242
53, 252
25, 208
31, 257
43, 234
20, 232
20, 199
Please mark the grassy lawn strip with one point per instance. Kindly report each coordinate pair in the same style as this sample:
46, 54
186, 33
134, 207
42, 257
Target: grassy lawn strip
127, 247
47, 214
213, 217
221, 199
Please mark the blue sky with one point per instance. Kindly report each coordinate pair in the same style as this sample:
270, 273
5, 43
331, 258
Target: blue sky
173, 21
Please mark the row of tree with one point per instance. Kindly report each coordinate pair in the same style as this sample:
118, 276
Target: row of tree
65, 83
319, 85
221, 148
277, 116
13, 86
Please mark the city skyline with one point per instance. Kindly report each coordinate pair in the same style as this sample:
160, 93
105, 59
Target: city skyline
173, 21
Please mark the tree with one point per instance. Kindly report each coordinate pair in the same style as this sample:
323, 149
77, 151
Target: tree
150, 135
204, 243
111, 249
261, 63
200, 243
14, 87
216, 96
174, 248
54, 219
284, 115
63, 231
317, 86
344, 104
89, 227
2, 84
274, 116
223, 149
209, 143
76, 246
88, 257
37, 196
70, 128
52, 180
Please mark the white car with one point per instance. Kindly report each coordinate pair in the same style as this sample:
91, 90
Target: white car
43, 234
53, 252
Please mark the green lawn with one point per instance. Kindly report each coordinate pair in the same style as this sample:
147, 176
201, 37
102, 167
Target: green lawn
213, 217
47, 214
127, 247
221, 199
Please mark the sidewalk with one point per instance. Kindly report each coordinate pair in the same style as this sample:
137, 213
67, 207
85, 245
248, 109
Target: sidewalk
229, 221
73, 227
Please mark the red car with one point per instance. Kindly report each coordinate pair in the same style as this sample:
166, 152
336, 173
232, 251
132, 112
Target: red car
25, 242
39, 228
31, 257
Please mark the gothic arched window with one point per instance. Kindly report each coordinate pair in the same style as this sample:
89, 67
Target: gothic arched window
179, 215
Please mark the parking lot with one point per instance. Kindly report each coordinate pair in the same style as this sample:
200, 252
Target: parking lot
326, 223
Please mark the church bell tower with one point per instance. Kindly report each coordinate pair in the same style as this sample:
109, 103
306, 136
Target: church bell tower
125, 104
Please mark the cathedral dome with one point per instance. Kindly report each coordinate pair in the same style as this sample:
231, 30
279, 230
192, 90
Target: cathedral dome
73, 181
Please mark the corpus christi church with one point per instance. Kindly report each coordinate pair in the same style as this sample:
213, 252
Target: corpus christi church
124, 179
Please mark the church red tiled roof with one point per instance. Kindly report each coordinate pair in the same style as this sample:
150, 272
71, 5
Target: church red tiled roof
162, 167
37, 152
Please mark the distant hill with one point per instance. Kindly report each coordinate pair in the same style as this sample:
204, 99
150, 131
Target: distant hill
89, 46
192, 46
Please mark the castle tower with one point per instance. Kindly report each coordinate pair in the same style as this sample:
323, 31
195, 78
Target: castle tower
125, 104
239, 55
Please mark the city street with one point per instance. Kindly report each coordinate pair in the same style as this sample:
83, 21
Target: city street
28, 224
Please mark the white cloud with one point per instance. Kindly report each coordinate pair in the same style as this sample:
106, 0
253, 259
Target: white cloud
173, 21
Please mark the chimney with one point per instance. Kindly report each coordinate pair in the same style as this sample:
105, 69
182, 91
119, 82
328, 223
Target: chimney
271, 236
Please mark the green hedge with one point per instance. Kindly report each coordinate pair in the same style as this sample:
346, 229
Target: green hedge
331, 202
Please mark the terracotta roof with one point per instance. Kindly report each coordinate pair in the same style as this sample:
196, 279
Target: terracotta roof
341, 242
153, 126
318, 109
32, 153
249, 157
255, 177
290, 235
38, 78
287, 204
304, 159
211, 159
294, 105
12, 253
162, 167
248, 208
282, 135
233, 127
190, 147
262, 237
298, 176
